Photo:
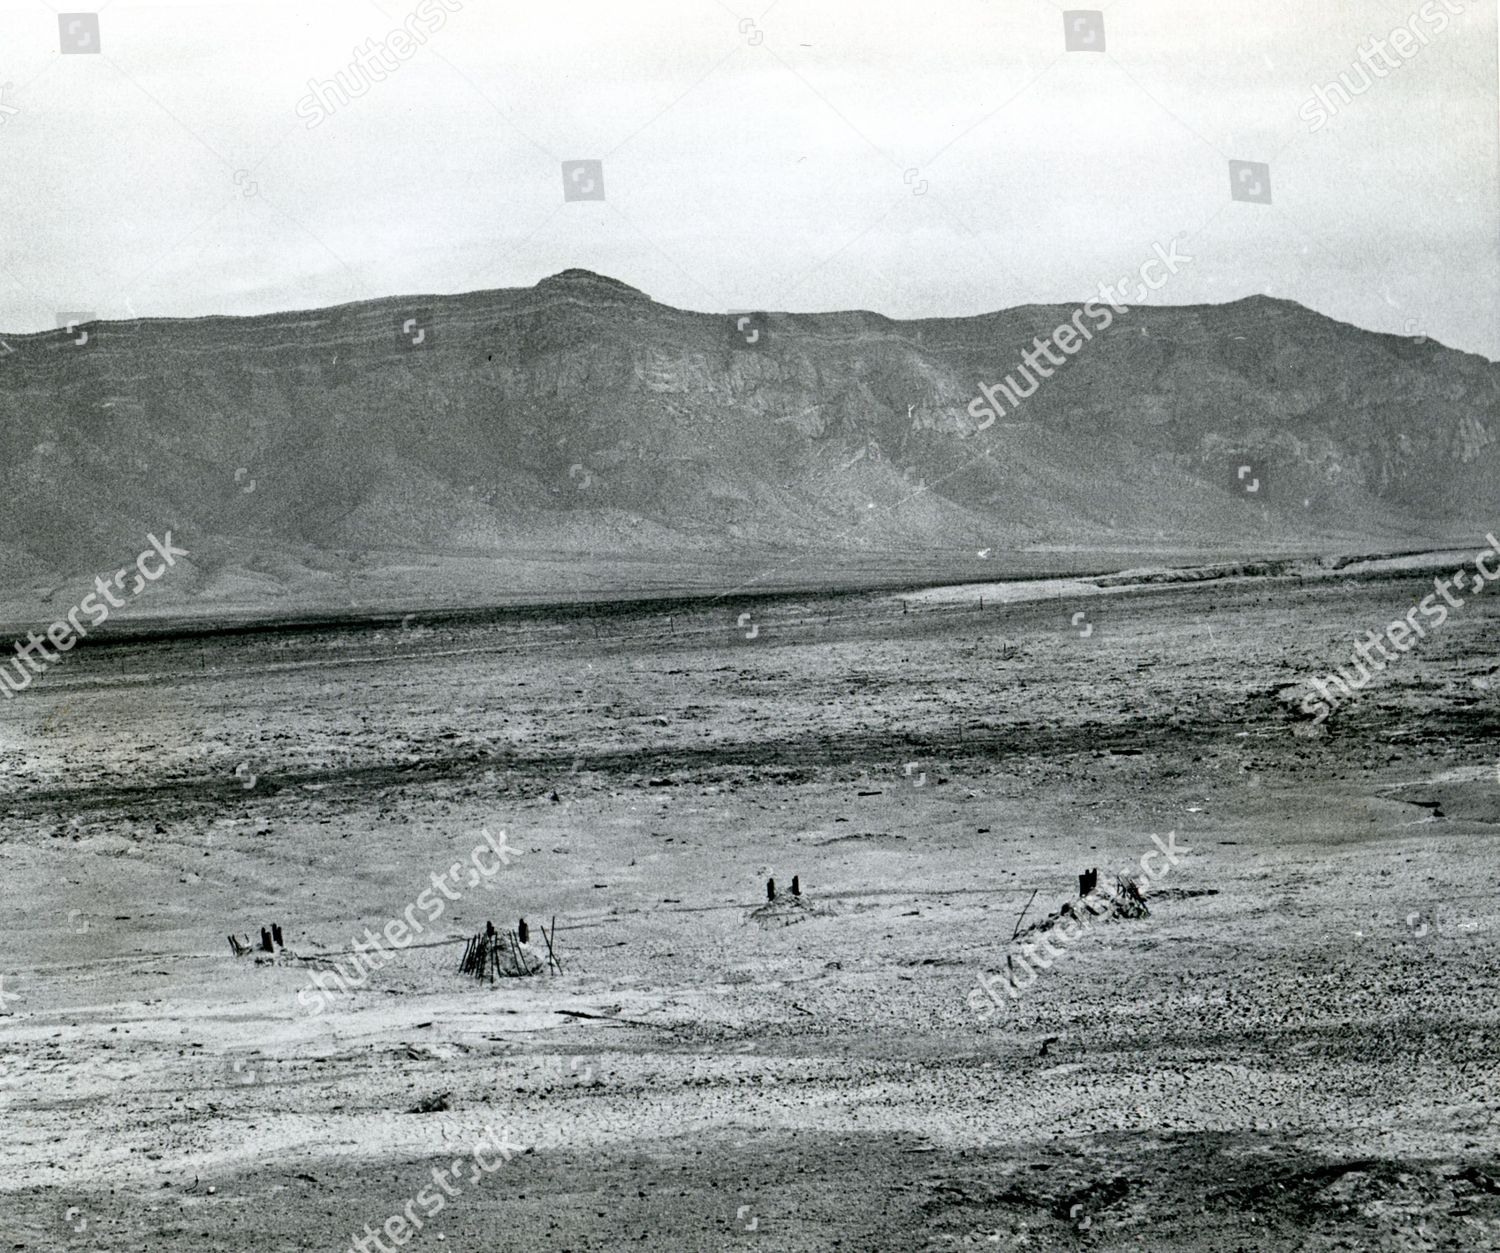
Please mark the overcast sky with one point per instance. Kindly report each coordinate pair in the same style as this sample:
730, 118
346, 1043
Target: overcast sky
915, 158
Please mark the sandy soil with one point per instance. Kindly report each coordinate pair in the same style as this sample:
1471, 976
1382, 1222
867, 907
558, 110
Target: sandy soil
1296, 1050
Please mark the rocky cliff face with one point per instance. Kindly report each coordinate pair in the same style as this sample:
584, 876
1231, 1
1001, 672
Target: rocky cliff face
580, 417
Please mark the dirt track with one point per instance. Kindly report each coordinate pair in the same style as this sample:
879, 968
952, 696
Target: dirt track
1304, 1060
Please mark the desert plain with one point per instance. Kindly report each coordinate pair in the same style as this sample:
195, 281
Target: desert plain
1296, 1050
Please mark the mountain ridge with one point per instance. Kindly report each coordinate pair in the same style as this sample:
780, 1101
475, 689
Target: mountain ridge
577, 276
583, 421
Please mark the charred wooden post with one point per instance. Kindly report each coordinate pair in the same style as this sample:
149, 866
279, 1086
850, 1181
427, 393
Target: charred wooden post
276, 935
522, 931
551, 951
796, 886
265, 942
770, 889
1088, 881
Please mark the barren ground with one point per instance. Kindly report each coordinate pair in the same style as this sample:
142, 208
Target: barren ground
1303, 1060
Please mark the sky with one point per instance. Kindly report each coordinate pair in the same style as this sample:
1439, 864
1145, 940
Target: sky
942, 158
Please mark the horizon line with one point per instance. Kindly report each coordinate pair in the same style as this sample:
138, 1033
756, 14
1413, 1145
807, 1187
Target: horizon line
583, 273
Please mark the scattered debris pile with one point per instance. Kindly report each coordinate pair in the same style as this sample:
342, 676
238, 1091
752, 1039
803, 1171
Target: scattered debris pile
270, 942
1116, 896
510, 955
783, 911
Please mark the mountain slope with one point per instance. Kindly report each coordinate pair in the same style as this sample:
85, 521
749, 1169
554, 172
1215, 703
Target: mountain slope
580, 422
